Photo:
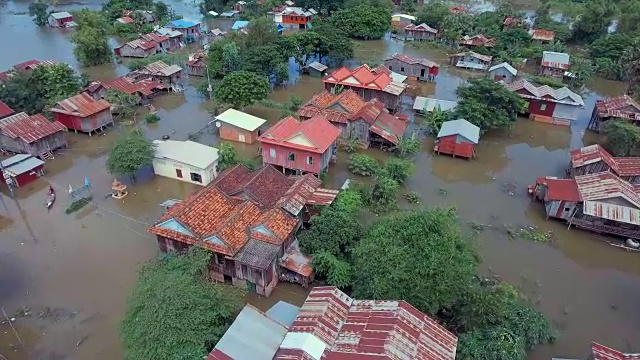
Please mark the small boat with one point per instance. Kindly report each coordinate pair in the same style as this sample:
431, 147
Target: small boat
51, 198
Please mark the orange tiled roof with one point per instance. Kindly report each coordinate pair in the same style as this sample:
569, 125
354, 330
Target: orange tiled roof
335, 108
279, 223
365, 77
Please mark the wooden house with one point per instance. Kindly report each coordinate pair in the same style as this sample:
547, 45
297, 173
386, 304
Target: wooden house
197, 64
369, 121
294, 17
594, 159
599, 202
619, 107
139, 48
60, 19
368, 84
306, 147
470, 60
458, 138
83, 113
239, 6
96, 90
5, 110
21, 169
35, 135
28, 66
144, 90
503, 72
176, 38
419, 32
317, 69
168, 75
237, 126
554, 64
542, 36
190, 30
511, 23
217, 34
246, 242
415, 68
471, 42
561, 106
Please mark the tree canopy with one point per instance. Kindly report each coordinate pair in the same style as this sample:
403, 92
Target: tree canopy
363, 21
175, 312
488, 104
123, 105
129, 153
40, 12
241, 89
622, 138
90, 38
594, 20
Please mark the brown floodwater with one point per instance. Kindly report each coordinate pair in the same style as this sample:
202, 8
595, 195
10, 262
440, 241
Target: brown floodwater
74, 272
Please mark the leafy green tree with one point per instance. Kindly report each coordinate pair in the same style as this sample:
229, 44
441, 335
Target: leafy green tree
335, 232
606, 51
228, 156
434, 119
363, 165
230, 58
336, 271
594, 20
582, 70
398, 169
488, 104
261, 32
455, 26
215, 61
123, 105
407, 146
421, 257
408, 6
242, 89
363, 21
622, 138
162, 12
90, 38
384, 193
348, 200
630, 62
175, 312
328, 5
491, 344
304, 45
129, 153
39, 10
337, 44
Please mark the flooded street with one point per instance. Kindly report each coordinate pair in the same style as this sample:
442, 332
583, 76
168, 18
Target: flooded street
74, 272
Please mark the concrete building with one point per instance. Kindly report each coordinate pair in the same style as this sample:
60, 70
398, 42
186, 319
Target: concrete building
186, 161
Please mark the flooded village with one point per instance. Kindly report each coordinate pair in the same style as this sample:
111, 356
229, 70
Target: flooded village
65, 277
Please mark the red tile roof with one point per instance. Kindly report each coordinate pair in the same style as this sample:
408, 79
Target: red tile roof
477, 40
365, 329
560, 189
5, 110
335, 108
29, 128
363, 75
265, 185
128, 86
279, 223
621, 166
317, 130
541, 34
411, 61
81, 105
601, 352
621, 106
26, 65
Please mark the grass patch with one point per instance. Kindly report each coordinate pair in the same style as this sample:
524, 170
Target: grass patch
78, 204
531, 233
412, 197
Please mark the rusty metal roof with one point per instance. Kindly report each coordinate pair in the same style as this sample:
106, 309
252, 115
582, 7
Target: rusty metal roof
296, 261
299, 193
5, 110
323, 196
29, 128
620, 106
412, 61
607, 196
541, 34
601, 352
629, 166
128, 86
560, 189
160, 68
331, 325
389, 127
81, 105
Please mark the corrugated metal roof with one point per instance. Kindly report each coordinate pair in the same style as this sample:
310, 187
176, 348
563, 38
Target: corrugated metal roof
239, 24
322, 197
128, 86
556, 60
5, 110
601, 352
187, 152
562, 95
629, 166
263, 342
61, 15
318, 66
182, 24
299, 193
620, 106
412, 61
506, 66
24, 165
477, 40
81, 105
422, 27
168, 32
460, 127
29, 128
560, 189
473, 54
15, 159
429, 104
241, 120
160, 68
296, 261
27, 65
607, 196
540, 34
283, 313
389, 127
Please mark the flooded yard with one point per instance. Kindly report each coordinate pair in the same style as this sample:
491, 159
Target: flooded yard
72, 273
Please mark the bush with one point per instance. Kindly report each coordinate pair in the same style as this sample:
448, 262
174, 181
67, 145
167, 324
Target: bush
151, 118
363, 165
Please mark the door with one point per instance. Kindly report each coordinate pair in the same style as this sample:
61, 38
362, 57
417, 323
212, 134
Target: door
179, 173
251, 287
422, 73
241, 137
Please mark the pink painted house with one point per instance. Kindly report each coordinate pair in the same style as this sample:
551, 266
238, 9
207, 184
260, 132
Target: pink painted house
302, 147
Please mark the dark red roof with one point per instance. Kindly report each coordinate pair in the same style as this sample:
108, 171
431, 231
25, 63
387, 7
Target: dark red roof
26, 65
5, 75
621, 166
81, 105
124, 84
620, 106
5, 110
601, 352
366, 329
560, 189
265, 185
29, 128
317, 130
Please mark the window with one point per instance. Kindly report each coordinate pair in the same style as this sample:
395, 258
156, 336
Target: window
543, 107
179, 173
310, 160
567, 209
291, 157
196, 177
401, 68
272, 153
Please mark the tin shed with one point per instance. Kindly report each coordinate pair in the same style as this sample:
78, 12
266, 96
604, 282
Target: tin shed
503, 71
83, 113
317, 69
458, 138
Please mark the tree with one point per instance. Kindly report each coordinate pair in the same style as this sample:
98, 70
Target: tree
304, 45
630, 63
420, 257
434, 119
162, 12
408, 6
622, 138
582, 70
491, 344
333, 231
456, 25
230, 58
363, 165
398, 169
433, 14
488, 104
90, 38
129, 153
39, 10
228, 157
607, 51
338, 45
261, 32
407, 146
594, 20
363, 21
336, 271
124, 105
175, 312
242, 89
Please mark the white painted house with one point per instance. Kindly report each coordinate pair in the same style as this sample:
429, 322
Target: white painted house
185, 160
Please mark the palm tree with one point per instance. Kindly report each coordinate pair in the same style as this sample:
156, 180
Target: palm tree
434, 119
582, 71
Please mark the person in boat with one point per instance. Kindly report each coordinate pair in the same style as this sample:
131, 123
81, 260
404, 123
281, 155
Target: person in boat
51, 191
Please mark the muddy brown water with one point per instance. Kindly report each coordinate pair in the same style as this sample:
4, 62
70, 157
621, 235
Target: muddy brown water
74, 272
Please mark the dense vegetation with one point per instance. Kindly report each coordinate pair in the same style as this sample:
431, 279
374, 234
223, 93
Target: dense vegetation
130, 152
175, 311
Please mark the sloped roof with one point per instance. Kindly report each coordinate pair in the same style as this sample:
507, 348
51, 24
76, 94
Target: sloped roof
477, 40
125, 20
168, 32
81, 105
335, 108
473, 54
27, 65
460, 127
560, 189
623, 106
317, 131
389, 127
257, 254
506, 66
597, 190
265, 185
154, 37
429, 104
422, 27
318, 66
601, 352
331, 325
562, 95
239, 24
621, 166
412, 61
240, 119
187, 152
20, 164
160, 68
182, 24
61, 15
555, 60
5, 110
29, 128
362, 77
126, 85
541, 34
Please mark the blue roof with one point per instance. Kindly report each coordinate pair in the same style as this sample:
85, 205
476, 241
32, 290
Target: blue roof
239, 25
283, 313
280, 28
181, 24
